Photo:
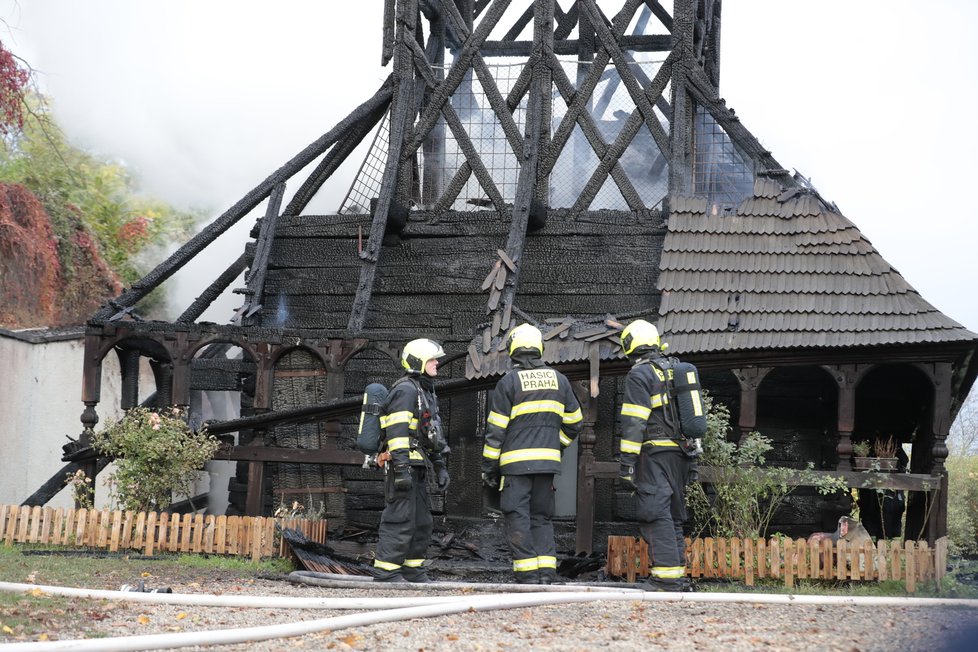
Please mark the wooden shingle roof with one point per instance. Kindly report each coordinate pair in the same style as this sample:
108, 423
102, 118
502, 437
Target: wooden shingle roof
784, 271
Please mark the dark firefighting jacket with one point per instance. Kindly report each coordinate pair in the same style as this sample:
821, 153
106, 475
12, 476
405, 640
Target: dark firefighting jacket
407, 416
533, 416
643, 412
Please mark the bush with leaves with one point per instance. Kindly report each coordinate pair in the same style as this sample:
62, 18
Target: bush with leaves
962, 504
744, 494
157, 454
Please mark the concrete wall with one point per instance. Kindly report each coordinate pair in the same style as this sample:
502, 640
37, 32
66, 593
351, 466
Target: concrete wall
40, 404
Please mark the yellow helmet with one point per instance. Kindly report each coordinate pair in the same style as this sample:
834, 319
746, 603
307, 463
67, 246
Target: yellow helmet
525, 336
417, 353
639, 333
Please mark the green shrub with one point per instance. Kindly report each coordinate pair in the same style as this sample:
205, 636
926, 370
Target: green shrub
156, 453
962, 504
745, 493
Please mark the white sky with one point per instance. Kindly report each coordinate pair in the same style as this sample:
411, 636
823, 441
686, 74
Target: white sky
205, 99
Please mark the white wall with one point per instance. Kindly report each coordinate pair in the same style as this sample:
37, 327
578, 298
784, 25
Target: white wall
40, 404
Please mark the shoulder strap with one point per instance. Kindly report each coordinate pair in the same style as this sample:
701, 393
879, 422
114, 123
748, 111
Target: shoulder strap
670, 409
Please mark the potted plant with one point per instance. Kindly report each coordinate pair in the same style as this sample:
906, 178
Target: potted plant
885, 452
860, 456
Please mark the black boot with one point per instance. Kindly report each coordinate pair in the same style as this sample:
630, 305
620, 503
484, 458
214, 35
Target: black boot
416, 575
390, 576
663, 584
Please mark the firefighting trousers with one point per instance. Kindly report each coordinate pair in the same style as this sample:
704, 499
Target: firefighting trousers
660, 509
405, 525
527, 503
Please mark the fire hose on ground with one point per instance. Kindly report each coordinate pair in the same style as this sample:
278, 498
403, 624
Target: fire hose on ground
385, 610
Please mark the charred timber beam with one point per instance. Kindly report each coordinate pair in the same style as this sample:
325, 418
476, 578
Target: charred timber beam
855, 479
215, 289
660, 12
434, 145
289, 455
401, 109
681, 132
640, 96
231, 216
53, 486
255, 280
537, 114
565, 22
520, 24
631, 43
388, 45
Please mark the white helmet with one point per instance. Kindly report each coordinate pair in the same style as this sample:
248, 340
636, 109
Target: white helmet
417, 353
527, 337
639, 333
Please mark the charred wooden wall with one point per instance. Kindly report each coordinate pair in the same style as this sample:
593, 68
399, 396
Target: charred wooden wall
428, 285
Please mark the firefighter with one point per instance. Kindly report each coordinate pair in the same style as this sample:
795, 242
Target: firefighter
413, 442
533, 417
655, 461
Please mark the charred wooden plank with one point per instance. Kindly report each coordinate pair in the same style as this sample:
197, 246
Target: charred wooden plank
650, 43
255, 279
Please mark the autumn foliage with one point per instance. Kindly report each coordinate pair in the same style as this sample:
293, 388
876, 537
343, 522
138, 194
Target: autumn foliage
36, 289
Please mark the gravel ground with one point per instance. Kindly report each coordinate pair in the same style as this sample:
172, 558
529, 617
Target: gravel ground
626, 625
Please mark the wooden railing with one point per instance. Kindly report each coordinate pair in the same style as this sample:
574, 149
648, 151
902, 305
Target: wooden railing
752, 559
152, 532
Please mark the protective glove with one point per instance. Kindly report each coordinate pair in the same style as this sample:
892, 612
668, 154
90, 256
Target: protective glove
402, 477
694, 473
441, 476
626, 473
491, 478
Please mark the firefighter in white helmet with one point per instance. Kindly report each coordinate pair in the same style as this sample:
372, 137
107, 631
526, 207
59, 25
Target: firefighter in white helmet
533, 417
653, 462
413, 440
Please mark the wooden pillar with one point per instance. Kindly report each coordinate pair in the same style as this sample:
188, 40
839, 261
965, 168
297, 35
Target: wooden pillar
585, 469
681, 135
846, 377
749, 379
163, 373
941, 427
91, 386
434, 144
129, 365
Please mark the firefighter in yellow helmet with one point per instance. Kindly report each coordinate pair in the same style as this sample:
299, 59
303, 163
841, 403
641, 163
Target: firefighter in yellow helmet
413, 439
533, 416
654, 463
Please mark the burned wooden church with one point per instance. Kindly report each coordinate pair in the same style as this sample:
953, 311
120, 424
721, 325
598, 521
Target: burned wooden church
552, 163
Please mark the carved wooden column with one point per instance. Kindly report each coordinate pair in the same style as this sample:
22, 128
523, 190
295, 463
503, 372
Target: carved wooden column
749, 379
585, 469
264, 369
180, 381
846, 377
91, 387
129, 366
941, 426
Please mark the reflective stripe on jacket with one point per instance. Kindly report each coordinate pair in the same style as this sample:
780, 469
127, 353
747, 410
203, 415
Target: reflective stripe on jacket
642, 418
400, 419
533, 416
